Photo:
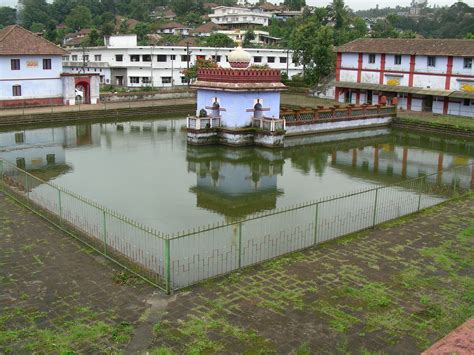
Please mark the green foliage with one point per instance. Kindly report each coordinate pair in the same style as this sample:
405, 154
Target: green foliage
295, 5
7, 16
249, 36
33, 11
220, 40
191, 73
80, 17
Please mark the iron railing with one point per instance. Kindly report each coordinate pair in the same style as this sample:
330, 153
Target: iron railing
172, 262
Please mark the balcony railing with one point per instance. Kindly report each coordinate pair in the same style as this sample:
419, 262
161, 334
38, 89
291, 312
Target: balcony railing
269, 124
207, 122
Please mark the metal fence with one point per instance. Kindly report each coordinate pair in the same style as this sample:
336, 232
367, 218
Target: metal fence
172, 262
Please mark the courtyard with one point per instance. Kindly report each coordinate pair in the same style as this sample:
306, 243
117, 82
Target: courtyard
395, 289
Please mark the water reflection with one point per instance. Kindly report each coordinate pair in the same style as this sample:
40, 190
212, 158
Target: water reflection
235, 182
145, 169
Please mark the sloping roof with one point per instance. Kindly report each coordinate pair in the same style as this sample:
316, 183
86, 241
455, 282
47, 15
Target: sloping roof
187, 41
15, 40
172, 25
451, 47
206, 28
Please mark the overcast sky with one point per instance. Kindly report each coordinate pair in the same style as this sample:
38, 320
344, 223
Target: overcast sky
354, 4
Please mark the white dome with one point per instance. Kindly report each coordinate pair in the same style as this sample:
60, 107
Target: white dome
239, 58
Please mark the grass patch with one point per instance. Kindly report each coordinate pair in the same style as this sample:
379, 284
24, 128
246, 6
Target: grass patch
340, 321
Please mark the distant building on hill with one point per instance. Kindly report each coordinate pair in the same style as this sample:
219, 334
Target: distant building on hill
239, 17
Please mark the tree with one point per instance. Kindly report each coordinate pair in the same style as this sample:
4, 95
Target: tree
248, 38
141, 30
107, 29
220, 40
33, 11
294, 5
191, 73
80, 17
7, 16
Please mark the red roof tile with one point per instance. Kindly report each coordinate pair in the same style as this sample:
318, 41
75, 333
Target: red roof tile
15, 40
451, 47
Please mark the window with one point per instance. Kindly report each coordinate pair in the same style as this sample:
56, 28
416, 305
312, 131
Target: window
271, 59
85, 57
185, 58
134, 80
65, 58
146, 80
184, 80
161, 57
257, 59
47, 64
50, 159
16, 89
467, 63
282, 59
398, 59
166, 79
119, 57
216, 58
74, 57
15, 64
467, 102
135, 58
20, 163
97, 57
173, 56
146, 58
371, 58
19, 138
431, 61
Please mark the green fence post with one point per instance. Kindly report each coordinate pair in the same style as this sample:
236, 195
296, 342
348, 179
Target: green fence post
167, 266
105, 231
60, 208
240, 245
375, 207
316, 224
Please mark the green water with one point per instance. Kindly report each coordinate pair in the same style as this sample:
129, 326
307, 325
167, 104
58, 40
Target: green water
146, 171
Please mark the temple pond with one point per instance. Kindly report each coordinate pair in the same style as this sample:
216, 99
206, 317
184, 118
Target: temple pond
146, 171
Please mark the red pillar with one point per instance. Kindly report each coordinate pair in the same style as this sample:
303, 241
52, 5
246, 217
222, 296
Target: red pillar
404, 162
409, 102
382, 68
439, 174
445, 105
412, 70
449, 73
376, 159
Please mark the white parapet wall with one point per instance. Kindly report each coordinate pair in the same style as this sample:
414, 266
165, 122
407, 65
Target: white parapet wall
320, 127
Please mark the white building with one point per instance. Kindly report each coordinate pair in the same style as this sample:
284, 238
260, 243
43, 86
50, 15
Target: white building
32, 72
261, 37
433, 75
174, 28
239, 17
123, 63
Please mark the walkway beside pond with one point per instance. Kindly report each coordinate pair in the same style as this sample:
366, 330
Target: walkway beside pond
397, 289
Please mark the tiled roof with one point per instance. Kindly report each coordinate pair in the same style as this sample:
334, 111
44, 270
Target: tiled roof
206, 28
452, 47
172, 25
15, 40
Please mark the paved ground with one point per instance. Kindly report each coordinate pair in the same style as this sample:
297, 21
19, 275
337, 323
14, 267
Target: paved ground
396, 289
100, 106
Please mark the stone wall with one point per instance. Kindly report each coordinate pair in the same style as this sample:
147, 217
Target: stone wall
147, 95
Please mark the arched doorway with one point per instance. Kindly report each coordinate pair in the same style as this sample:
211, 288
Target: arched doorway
82, 92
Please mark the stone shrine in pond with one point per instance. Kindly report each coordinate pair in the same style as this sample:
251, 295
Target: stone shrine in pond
237, 106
